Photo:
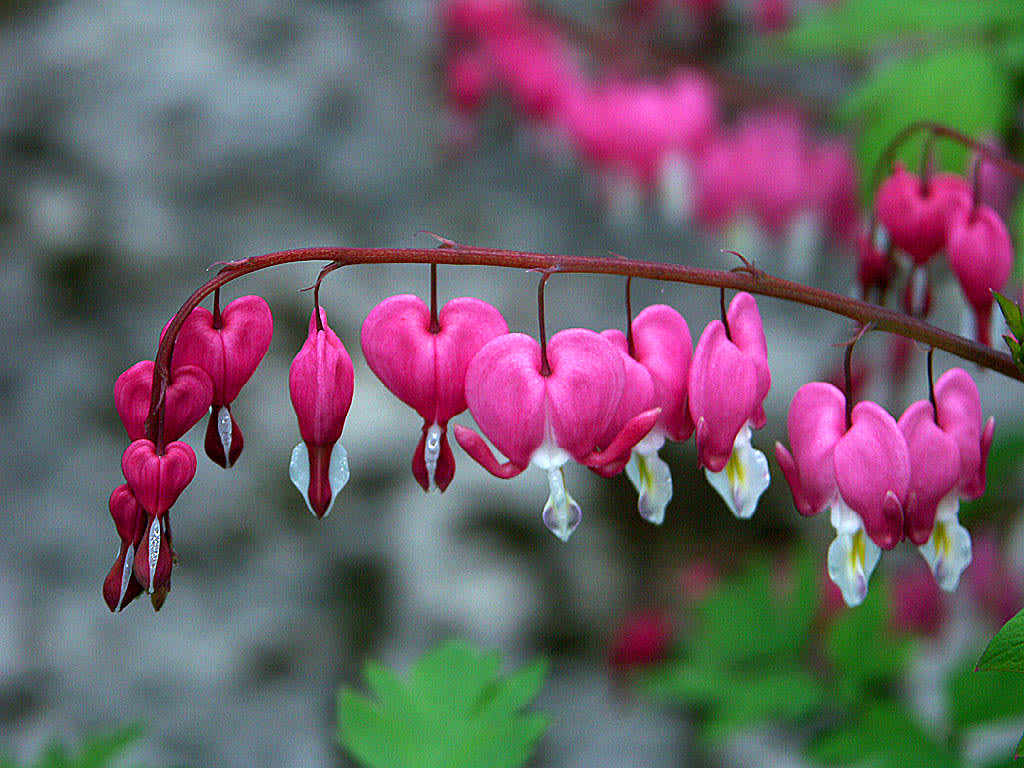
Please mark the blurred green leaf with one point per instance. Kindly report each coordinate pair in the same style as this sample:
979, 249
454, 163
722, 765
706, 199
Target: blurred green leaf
1011, 52
1011, 313
98, 751
863, 649
884, 736
983, 697
857, 25
456, 711
1005, 651
919, 88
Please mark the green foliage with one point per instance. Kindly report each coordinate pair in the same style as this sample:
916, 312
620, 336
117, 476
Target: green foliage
883, 736
919, 88
98, 751
856, 26
455, 711
743, 665
1005, 651
760, 654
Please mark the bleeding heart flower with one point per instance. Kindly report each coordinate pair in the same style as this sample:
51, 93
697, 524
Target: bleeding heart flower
917, 215
120, 586
861, 472
229, 348
729, 379
425, 367
321, 384
548, 419
942, 473
158, 480
981, 255
188, 396
662, 349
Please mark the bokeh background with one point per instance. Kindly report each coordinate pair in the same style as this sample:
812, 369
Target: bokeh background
141, 143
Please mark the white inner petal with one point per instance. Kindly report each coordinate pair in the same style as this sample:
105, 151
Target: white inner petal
561, 514
337, 472
852, 555
948, 549
744, 478
224, 432
154, 550
126, 571
431, 453
653, 481
675, 189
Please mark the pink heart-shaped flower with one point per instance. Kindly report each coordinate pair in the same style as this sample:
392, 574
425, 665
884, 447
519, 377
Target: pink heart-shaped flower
229, 353
189, 395
156, 480
958, 412
934, 469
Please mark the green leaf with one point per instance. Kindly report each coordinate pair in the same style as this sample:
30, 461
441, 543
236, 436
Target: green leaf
863, 649
1011, 313
455, 711
101, 750
1005, 651
858, 25
983, 697
919, 88
885, 736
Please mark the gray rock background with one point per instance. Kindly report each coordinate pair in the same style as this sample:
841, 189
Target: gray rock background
142, 142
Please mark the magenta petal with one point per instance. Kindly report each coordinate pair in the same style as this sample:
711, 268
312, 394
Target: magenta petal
475, 446
637, 392
157, 481
958, 412
320, 381
872, 466
723, 395
506, 395
618, 450
127, 513
425, 370
229, 354
747, 334
980, 253
583, 390
466, 325
445, 469
153, 560
120, 586
934, 469
189, 395
816, 422
399, 349
662, 343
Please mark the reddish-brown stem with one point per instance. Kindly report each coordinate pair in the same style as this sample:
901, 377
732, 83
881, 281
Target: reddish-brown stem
435, 326
751, 280
931, 384
630, 347
218, 321
991, 155
545, 368
721, 310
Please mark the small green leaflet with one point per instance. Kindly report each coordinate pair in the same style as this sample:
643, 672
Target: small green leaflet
455, 711
1015, 322
98, 751
1006, 650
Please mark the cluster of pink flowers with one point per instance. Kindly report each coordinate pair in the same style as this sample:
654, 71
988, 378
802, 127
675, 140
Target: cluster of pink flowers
645, 136
605, 400
214, 355
922, 217
885, 480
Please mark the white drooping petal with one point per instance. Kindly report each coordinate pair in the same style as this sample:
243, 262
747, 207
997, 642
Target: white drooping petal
337, 472
431, 453
653, 482
676, 189
744, 478
852, 555
561, 514
126, 571
154, 550
948, 549
224, 431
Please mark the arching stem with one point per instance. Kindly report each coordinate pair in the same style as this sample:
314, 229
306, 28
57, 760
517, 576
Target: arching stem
435, 326
629, 317
545, 368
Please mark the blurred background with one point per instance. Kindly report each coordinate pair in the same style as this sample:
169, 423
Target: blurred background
142, 143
